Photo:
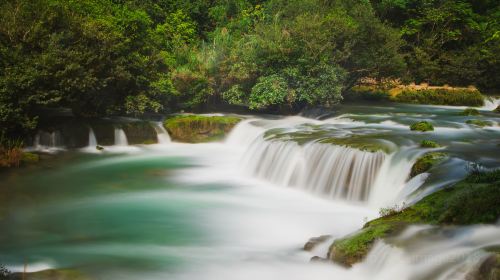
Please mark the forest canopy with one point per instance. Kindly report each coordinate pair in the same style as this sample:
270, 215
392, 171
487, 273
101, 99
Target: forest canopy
130, 57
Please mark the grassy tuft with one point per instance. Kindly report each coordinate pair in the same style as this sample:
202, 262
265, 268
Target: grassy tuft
470, 112
429, 144
479, 123
422, 126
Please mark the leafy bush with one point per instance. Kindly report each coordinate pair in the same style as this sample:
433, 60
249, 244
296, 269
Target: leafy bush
269, 90
422, 126
455, 97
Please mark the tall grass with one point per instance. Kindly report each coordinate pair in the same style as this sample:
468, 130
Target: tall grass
11, 152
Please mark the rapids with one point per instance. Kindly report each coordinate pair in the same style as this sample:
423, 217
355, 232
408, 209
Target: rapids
243, 208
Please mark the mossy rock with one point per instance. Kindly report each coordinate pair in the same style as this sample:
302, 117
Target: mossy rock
473, 200
52, 274
139, 132
488, 269
28, 158
470, 112
422, 126
479, 123
426, 162
497, 109
197, 129
429, 144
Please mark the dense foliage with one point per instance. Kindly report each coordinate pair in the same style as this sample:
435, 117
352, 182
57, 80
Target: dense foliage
104, 57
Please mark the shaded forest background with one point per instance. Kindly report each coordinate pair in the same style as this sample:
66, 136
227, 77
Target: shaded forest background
131, 57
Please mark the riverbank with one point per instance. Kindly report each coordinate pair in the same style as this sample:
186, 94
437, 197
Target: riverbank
419, 94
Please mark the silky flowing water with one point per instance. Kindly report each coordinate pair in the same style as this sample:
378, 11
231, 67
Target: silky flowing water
243, 208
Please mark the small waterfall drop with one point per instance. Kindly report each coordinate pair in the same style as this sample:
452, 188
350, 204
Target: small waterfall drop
48, 141
329, 170
92, 139
491, 103
120, 137
161, 133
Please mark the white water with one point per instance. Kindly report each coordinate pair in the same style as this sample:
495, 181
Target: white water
92, 139
161, 133
491, 103
331, 171
120, 137
47, 142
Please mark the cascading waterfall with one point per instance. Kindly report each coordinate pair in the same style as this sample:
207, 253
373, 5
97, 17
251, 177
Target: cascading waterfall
48, 140
161, 133
333, 171
92, 139
326, 169
120, 137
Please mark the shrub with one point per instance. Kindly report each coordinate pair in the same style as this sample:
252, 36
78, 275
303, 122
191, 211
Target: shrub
422, 126
470, 112
455, 97
429, 144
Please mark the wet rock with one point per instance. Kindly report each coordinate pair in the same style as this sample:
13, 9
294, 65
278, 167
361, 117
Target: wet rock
315, 241
489, 269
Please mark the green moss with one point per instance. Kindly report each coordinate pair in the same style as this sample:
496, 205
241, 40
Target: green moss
470, 112
365, 144
422, 126
149, 142
497, 109
479, 123
196, 128
426, 162
454, 97
28, 158
474, 200
429, 144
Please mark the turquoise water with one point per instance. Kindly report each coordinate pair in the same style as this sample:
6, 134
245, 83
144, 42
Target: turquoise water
194, 211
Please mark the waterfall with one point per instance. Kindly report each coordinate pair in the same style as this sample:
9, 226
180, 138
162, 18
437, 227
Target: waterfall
120, 137
329, 170
48, 141
92, 139
161, 133
491, 103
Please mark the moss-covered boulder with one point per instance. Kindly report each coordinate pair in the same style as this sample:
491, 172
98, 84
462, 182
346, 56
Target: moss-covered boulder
470, 112
497, 109
479, 123
197, 129
426, 162
422, 126
471, 201
429, 144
